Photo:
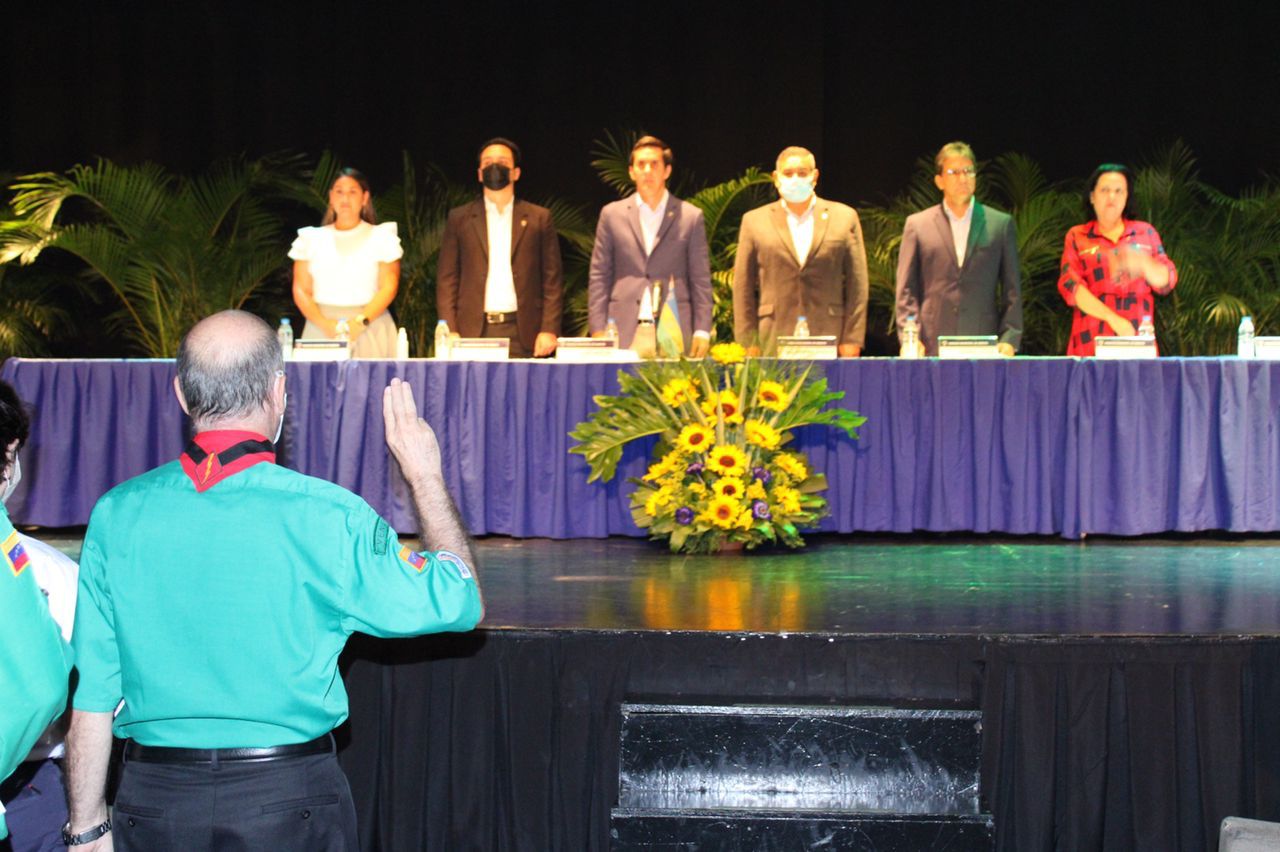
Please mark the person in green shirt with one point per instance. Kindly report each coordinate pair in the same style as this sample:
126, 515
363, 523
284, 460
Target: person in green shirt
216, 593
35, 662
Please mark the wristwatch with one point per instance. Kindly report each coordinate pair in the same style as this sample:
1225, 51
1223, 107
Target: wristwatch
362, 319
69, 839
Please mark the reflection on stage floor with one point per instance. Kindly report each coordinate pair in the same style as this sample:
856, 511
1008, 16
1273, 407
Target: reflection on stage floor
903, 585
906, 585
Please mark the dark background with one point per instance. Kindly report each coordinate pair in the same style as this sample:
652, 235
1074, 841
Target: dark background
869, 87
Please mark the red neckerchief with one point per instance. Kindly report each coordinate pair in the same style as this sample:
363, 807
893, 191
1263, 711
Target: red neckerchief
243, 450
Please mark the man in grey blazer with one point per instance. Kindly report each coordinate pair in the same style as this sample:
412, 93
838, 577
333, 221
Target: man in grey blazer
800, 256
650, 238
958, 265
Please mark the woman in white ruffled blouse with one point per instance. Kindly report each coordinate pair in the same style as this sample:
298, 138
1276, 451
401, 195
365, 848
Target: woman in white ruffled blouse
346, 272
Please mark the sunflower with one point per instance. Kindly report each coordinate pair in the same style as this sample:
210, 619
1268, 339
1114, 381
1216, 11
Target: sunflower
729, 486
679, 391
792, 465
695, 438
745, 519
727, 460
728, 353
772, 396
755, 491
723, 512
762, 434
724, 404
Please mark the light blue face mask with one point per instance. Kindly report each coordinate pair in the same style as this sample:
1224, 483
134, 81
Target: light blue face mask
11, 481
795, 189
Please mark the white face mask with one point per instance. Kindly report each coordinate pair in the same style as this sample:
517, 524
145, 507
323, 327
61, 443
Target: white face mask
280, 425
795, 189
12, 480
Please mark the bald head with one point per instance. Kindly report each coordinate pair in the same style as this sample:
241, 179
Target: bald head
227, 368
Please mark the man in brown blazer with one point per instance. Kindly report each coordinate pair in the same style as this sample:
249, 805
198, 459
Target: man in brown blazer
800, 256
515, 290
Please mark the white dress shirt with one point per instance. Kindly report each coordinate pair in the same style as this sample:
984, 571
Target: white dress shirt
801, 228
651, 219
960, 226
500, 285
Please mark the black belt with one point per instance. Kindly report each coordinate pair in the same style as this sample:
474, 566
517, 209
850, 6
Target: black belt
497, 318
165, 754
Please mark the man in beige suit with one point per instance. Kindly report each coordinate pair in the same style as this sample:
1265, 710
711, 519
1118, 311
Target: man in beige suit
800, 256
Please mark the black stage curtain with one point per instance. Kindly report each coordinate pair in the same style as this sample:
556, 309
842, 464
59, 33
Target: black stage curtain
508, 740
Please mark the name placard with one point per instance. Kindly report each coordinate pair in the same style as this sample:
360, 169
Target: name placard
1266, 348
585, 349
820, 348
479, 349
964, 346
321, 350
1120, 348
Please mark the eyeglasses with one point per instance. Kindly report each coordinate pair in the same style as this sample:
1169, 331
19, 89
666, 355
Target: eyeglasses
967, 171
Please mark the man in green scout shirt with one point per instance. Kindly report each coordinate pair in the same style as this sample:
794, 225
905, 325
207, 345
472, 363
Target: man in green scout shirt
216, 593
34, 661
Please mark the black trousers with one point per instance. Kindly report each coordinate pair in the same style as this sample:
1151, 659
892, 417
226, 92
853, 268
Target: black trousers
510, 331
294, 803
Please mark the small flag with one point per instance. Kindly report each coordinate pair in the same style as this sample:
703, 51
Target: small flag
15, 553
670, 337
414, 559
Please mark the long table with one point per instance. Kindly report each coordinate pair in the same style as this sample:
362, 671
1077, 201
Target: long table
1025, 446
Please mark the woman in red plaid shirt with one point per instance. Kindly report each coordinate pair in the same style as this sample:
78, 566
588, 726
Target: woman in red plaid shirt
1112, 265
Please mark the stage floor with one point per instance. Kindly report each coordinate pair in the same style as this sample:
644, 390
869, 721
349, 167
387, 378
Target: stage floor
931, 585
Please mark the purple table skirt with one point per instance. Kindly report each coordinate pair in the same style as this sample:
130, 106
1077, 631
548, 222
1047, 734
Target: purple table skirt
1044, 446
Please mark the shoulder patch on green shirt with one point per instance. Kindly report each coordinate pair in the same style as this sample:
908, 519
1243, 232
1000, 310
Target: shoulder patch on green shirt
381, 532
413, 559
15, 554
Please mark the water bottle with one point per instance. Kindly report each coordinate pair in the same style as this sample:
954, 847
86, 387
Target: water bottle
910, 338
802, 327
611, 331
442, 340
402, 344
284, 334
1244, 338
1147, 329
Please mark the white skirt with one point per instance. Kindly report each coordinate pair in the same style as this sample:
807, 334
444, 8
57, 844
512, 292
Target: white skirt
378, 340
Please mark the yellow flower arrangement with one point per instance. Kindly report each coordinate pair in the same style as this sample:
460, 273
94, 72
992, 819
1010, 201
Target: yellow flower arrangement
762, 434
718, 474
792, 465
727, 460
670, 463
679, 391
728, 353
787, 499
